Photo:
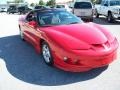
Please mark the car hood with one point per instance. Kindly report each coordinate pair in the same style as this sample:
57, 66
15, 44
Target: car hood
116, 7
75, 35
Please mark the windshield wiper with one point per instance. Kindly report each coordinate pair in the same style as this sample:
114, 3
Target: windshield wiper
74, 23
47, 25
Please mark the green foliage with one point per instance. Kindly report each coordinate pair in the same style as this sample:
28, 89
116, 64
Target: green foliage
51, 3
32, 4
93, 1
18, 1
41, 2
96, 1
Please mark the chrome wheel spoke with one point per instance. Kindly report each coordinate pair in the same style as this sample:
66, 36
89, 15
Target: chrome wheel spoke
46, 53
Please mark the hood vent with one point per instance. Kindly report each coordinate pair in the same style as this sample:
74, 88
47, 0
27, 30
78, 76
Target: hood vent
101, 46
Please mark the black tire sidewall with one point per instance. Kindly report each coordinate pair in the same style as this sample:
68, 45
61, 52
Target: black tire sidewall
20, 33
96, 14
111, 18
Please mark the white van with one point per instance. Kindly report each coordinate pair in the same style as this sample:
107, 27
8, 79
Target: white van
83, 9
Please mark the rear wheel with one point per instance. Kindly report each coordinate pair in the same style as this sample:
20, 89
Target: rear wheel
21, 33
46, 52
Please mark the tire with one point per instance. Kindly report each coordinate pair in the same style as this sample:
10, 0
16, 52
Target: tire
21, 34
91, 20
97, 14
46, 53
110, 18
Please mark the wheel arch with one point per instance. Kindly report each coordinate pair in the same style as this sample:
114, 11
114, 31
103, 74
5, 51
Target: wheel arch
41, 41
109, 12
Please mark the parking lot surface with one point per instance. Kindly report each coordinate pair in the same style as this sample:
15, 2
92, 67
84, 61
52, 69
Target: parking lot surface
21, 68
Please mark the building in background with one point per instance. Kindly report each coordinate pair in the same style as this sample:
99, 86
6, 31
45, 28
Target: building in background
5, 5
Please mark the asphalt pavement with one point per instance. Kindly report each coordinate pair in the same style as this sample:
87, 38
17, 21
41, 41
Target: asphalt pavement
21, 68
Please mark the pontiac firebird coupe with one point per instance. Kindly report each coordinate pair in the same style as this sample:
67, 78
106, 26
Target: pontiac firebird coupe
66, 42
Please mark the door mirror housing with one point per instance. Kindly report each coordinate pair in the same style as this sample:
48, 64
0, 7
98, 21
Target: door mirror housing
33, 24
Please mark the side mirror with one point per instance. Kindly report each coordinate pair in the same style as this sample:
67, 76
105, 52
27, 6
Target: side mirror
105, 4
33, 24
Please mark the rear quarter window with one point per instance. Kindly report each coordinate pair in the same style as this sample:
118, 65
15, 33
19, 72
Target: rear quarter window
82, 5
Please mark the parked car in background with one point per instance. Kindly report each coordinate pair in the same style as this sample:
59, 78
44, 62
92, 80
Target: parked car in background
110, 9
3, 9
64, 7
12, 9
23, 9
39, 7
84, 9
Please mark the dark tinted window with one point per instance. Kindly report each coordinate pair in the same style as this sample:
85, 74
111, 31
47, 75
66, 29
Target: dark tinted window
82, 5
21, 8
39, 7
12, 7
116, 2
60, 6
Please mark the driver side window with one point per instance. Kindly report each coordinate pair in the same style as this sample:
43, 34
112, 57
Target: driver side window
106, 3
31, 17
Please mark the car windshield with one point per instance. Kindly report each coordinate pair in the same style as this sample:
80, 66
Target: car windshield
52, 18
112, 3
82, 5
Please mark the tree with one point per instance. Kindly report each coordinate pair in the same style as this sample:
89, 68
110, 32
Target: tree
51, 3
93, 1
32, 4
96, 1
41, 2
18, 1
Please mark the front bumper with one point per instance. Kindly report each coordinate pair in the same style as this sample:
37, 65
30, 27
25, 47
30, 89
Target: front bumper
116, 16
86, 63
84, 60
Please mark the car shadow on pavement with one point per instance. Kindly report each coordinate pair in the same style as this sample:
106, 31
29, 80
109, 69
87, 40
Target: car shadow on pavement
25, 64
103, 21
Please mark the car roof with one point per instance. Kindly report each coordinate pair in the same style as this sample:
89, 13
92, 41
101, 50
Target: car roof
47, 10
83, 1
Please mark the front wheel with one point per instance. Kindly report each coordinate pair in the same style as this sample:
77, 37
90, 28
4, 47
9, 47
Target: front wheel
96, 14
110, 18
46, 52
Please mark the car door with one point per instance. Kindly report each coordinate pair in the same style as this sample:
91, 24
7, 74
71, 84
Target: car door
101, 7
31, 32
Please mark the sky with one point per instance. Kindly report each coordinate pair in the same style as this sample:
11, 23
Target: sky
30, 1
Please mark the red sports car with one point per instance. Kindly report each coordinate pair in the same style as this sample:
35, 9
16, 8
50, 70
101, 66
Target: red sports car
66, 42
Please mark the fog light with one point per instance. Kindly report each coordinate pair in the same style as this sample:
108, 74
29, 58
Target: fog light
75, 61
65, 58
